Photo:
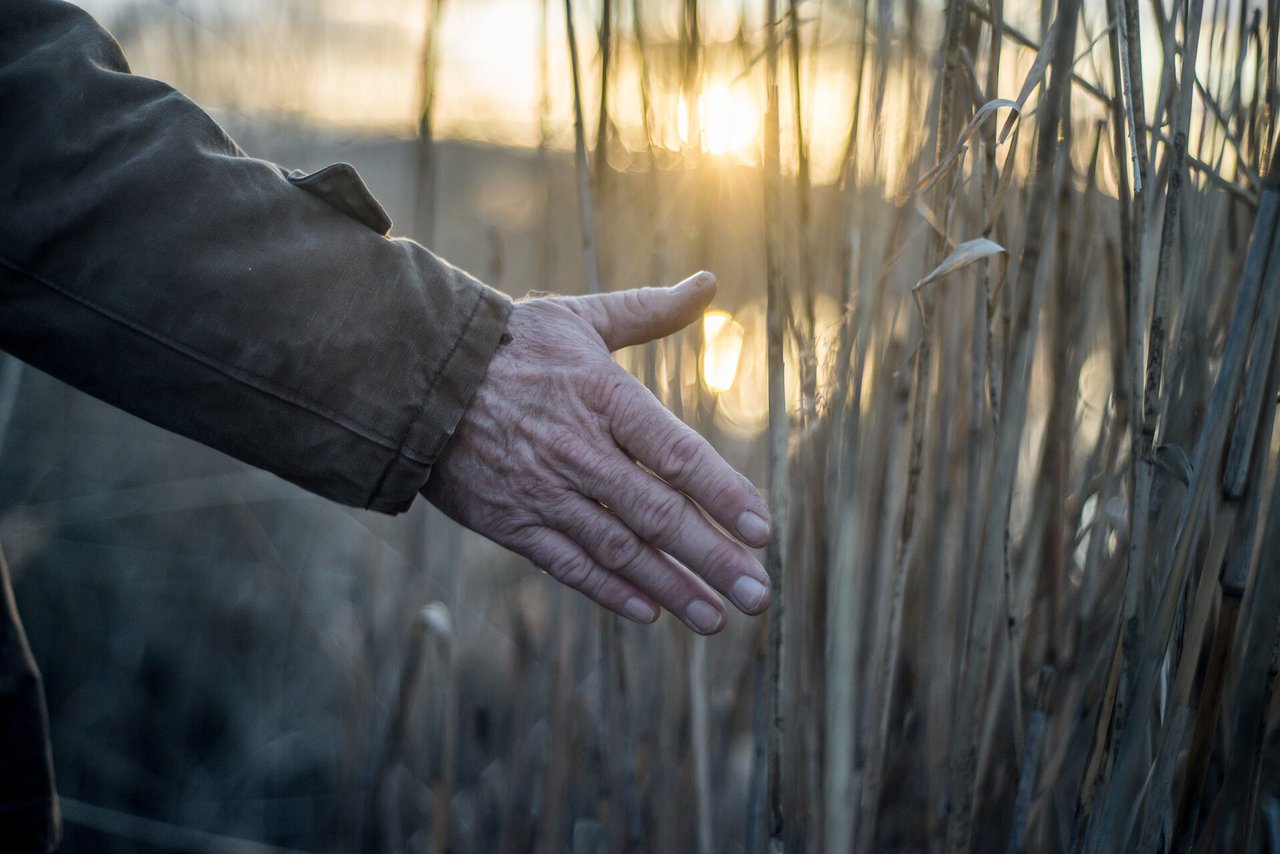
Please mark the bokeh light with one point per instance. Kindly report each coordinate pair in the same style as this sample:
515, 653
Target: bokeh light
721, 346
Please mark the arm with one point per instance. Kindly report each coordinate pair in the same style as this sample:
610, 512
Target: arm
146, 260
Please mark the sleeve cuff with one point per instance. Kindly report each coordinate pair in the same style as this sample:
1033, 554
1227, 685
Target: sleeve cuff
449, 392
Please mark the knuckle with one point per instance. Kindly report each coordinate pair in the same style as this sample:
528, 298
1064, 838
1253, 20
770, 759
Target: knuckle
723, 556
745, 489
594, 586
664, 514
619, 549
544, 499
635, 303
566, 446
588, 310
598, 468
682, 455
531, 540
734, 492
595, 467
574, 572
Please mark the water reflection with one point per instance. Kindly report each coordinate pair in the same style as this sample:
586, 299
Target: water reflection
721, 347
735, 364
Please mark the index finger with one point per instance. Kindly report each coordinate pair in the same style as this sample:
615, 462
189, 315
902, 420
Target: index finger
674, 451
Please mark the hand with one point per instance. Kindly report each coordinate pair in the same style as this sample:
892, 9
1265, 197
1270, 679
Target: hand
545, 458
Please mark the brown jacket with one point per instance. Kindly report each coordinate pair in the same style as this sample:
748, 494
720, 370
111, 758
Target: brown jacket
146, 260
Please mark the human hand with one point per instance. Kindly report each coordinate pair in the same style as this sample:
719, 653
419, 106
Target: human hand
545, 458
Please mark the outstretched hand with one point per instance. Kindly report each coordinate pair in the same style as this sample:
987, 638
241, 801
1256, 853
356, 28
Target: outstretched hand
567, 459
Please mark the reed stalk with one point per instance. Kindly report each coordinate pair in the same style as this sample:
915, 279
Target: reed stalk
425, 186
1030, 287
776, 324
586, 205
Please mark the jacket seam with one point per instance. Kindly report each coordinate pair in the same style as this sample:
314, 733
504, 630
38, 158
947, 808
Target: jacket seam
239, 375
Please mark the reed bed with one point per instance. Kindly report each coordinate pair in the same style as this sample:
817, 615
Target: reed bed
1022, 591
1007, 277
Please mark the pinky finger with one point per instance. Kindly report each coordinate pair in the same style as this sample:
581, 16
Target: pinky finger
562, 559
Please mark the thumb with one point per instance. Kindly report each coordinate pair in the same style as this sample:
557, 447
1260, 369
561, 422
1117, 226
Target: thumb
624, 318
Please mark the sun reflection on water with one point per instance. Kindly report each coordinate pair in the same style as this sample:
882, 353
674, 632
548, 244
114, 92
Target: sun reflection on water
721, 347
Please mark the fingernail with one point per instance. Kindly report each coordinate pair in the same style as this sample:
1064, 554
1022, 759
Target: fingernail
753, 528
640, 610
704, 616
747, 593
695, 282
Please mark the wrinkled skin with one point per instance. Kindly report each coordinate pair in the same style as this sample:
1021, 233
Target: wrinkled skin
544, 462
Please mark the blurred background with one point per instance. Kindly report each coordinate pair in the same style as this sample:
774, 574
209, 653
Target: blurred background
944, 233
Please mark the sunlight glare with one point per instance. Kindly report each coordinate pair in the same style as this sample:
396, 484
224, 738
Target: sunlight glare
721, 347
730, 120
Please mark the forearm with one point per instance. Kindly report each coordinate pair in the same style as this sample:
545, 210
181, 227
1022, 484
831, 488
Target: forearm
146, 260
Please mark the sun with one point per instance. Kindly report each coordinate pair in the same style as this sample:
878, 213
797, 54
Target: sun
728, 121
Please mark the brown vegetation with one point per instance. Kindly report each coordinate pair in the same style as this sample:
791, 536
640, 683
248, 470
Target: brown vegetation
1028, 578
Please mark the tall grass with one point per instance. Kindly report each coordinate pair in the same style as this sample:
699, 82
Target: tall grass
958, 488
1012, 332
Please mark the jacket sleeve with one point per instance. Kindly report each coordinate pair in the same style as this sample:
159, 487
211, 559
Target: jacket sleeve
146, 260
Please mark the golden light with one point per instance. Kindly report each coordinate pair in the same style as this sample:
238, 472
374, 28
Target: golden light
730, 120
721, 347
743, 410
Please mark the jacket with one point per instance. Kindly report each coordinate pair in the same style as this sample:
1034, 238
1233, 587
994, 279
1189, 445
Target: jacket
145, 259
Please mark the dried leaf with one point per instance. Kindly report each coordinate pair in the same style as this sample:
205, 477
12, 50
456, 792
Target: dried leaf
987, 109
964, 255
1173, 461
